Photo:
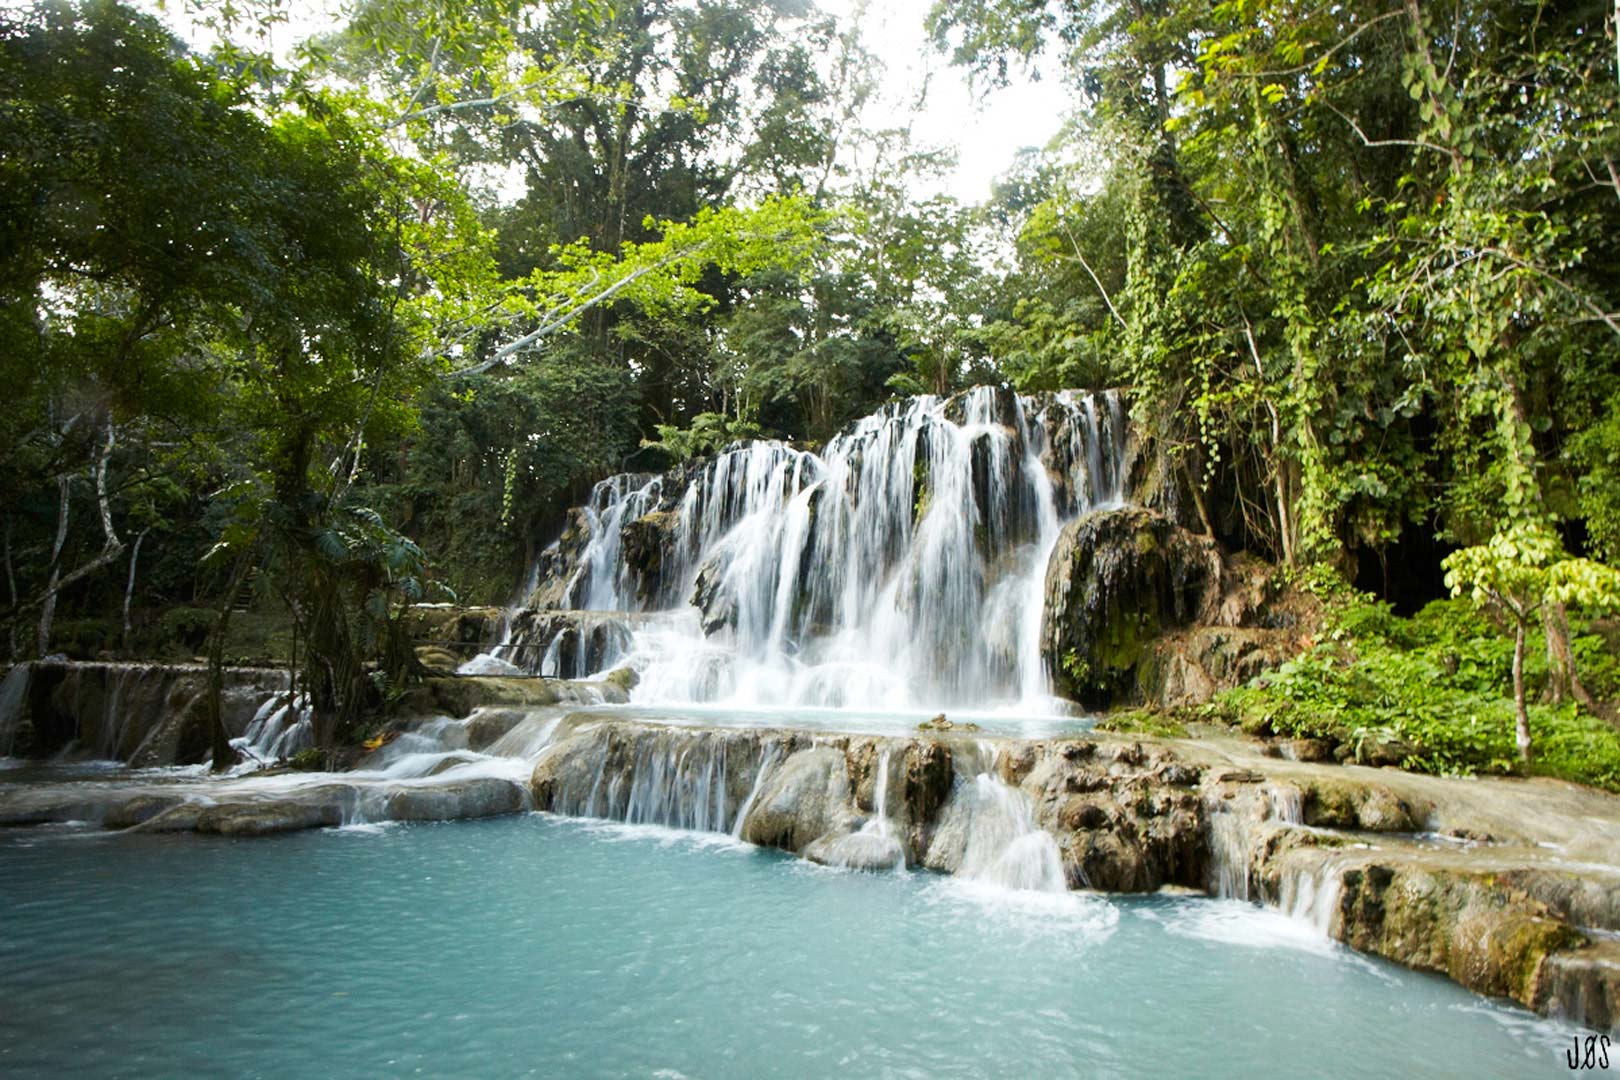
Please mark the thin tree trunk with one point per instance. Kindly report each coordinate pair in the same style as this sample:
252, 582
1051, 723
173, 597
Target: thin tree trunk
129, 587
112, 547
225, 754
1521, 729
47, 611
1564, 679
11, 585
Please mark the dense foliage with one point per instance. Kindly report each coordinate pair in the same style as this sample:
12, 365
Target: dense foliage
361, 320
1429, 691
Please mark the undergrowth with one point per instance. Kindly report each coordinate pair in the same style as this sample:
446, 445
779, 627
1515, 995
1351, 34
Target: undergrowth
1436, 687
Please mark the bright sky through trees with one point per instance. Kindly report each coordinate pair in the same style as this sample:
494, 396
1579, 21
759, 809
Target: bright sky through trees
985, 126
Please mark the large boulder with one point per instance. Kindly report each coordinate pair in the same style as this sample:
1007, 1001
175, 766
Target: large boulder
1188, 667
1116, 582
479, 797
805, 799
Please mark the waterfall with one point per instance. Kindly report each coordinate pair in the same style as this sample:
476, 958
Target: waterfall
901, 567
1308, 882
279, 729
700, 781
13, 692
873, 846
1004, 845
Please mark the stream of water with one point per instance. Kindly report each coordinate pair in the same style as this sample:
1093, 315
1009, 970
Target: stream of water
540, 946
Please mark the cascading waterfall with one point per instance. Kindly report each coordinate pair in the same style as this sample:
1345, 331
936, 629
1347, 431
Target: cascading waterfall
902, 567
1004, 845
279, 729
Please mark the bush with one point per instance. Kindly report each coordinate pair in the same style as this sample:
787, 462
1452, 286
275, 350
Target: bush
187, 627
1439, 683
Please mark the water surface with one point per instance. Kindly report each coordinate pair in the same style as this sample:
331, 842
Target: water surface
540, 946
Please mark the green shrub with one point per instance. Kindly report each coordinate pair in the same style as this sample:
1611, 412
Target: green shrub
187, 626
1438, 682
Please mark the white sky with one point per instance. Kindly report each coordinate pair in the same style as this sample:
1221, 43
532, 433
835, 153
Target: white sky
985, 127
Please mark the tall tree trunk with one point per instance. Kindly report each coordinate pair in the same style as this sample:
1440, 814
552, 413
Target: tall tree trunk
1564, 679
11, 584
225, 754
129, 586
112, 547
47, 611
1521, 730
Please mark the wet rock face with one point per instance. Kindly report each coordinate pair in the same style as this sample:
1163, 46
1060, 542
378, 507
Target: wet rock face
560, 561
447, 634
1188, 667
718, 607
570, 644
1117, 580
806, 799
1127, 816
1491, 939
145, 714
477, 798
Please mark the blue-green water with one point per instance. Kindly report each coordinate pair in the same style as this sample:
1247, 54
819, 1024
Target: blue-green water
538, 946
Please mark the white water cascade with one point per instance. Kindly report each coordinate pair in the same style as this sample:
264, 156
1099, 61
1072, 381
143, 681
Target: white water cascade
902, 567
1004, 846
279, 729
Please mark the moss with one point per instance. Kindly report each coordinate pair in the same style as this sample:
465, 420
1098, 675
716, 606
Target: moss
311, 760
1154, 722
625, 678
1330, 805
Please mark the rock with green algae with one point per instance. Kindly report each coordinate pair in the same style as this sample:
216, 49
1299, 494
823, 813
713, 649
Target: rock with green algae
1116, 581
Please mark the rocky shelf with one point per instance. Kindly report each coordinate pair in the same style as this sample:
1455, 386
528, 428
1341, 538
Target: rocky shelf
1509, 887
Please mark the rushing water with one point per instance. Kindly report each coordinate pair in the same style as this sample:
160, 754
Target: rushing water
901, 567
539, 946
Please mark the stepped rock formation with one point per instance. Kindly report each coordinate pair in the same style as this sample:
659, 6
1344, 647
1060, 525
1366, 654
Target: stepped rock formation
1430, 873
145, 714
1511, 888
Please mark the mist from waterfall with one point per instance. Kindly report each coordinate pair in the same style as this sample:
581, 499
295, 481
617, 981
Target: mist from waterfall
902, 567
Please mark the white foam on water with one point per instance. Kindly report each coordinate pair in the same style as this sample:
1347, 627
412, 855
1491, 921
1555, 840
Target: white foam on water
1076, 919
1236, 922
489, 664
662, 835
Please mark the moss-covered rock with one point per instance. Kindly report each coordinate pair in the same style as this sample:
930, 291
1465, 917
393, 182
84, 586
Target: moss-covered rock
1117, 580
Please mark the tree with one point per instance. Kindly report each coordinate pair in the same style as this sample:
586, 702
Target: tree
1517, 574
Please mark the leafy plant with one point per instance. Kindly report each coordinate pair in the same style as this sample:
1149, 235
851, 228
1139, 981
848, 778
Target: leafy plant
1516, 574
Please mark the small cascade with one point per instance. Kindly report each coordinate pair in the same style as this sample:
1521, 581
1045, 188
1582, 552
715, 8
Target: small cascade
279, 729
1287, 804
13, 697
699, 781
529, 737
1311, 893
767, 762
1004, 847
901, 567
489, 664
503, 656
874, 846
1308, 882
